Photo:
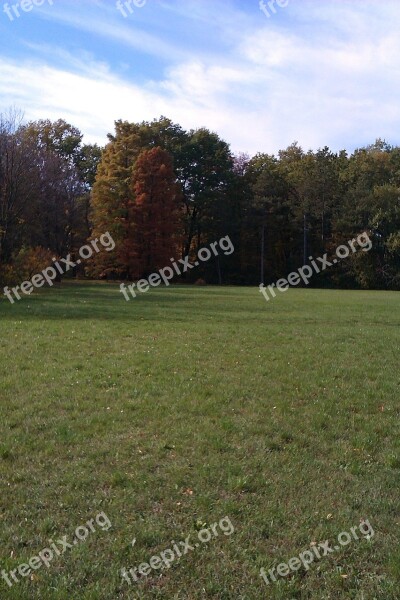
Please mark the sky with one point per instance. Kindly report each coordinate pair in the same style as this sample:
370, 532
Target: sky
320, 72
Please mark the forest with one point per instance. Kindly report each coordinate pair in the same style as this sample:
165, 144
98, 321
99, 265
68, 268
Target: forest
163, 192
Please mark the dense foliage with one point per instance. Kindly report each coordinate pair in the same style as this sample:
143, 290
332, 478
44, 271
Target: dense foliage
164, 192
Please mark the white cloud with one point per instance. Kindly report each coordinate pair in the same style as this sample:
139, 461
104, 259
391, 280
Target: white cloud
330, 79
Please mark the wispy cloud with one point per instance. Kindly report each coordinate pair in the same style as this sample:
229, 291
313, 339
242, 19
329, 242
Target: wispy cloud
319, 73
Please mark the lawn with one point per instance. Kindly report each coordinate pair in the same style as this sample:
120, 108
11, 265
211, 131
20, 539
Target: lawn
187, 405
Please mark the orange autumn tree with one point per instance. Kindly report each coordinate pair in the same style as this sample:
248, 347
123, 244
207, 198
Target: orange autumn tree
156, 212
112, 201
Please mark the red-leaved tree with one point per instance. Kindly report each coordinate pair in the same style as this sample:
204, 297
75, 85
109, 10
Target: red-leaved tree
156, 212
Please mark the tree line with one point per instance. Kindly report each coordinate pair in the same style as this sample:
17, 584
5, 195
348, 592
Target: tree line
163, 192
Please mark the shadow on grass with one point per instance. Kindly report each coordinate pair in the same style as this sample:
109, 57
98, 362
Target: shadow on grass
75, 300
187, 303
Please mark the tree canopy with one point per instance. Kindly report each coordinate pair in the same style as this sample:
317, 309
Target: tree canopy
163, 192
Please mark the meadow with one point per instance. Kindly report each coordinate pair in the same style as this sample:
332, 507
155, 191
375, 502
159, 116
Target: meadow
187, 405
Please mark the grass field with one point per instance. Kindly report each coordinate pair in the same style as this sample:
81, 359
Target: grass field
187, 405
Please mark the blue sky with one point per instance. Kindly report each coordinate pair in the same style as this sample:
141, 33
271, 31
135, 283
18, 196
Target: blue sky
322, 72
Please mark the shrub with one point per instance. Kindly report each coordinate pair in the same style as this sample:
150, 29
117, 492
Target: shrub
27, 263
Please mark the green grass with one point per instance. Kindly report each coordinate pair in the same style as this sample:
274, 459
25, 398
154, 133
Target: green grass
275, 414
